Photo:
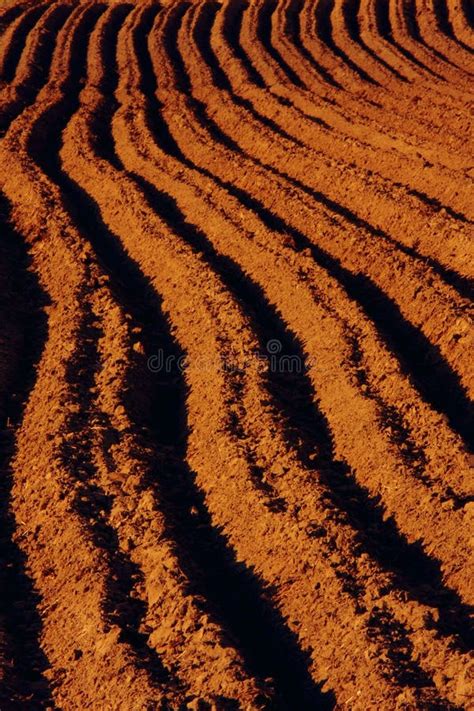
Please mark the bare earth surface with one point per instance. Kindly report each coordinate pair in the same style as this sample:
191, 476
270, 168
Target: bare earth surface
236, 432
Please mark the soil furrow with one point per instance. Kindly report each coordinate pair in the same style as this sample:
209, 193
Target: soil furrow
13, 41
161, 199
359, 150
22, 662
387, 100
374, 17
84, 213
268, 219
350, 13
110, 217
35, 61
461, 17
393, 314
433, 24
383, 210
419, 122
75, 634
220, 577
192, 140
235, 415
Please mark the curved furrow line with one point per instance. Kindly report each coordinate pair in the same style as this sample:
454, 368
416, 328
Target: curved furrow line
357, 18
450, 118
408, 118
197, 146
159, 130
374, 19
9, 14
281, 37
168, 261
121, 608
325, 31
168, 166
436, 30
408, 15
338, 179
386, 136
47, 494
235, 425
406, 34
348, 35
213, 571
34, 64
178, 619
22, 303
317, 37
426, 179
222, 670
421, 123
157, 251
190, 137
265, 47
438, 180
289, 18
461, 17
366, 17
222, 119
447, 19
13, 41
189, 235
355, 27
386, 15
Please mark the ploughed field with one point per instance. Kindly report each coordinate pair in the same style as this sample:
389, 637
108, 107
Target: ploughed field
236, 355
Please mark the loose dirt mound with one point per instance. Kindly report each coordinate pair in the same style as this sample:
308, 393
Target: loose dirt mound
236, 375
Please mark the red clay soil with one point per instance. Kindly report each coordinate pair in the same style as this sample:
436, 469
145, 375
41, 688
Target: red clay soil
236, 278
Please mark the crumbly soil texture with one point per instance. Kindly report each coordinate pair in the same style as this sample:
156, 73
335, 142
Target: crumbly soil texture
236, 347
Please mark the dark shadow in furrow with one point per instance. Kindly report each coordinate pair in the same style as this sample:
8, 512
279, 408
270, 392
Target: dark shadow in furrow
93, 505
28, 91
202, 38
444, 24
409, 9
384, 28
308, 431
438, 384
17, 43
293, 31
233, 24
413, 567
442, 18
24, 685
226, 588
101, 124
351, 11
293, 397
464, 285
468, 10
120, 607
264, 33
231, 31
9, 16
157, 404
324, 30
